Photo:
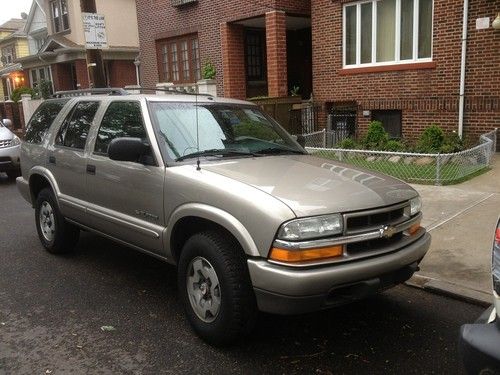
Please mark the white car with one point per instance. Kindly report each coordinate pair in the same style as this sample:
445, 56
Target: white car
10, 145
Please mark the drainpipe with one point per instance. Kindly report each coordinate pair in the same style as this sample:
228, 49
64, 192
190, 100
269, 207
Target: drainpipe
462, 70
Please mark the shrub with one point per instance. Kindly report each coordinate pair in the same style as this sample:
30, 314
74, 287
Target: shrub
43, 89
208, 71
16, 94
431, 140
348, 144
452, 143
376, 137
395, 145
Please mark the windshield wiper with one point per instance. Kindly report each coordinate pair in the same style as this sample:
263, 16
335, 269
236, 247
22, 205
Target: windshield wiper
216, 152
276, 150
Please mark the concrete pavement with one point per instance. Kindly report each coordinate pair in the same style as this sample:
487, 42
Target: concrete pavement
461, 219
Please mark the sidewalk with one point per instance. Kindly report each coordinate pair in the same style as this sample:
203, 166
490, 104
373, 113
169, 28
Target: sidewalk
461, 220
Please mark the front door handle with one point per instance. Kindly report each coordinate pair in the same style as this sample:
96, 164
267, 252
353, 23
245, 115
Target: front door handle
90, 169
52, 159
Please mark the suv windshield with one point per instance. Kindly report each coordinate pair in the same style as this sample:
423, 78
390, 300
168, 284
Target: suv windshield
223, 130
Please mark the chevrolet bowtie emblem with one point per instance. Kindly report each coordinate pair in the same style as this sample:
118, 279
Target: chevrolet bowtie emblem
387, 231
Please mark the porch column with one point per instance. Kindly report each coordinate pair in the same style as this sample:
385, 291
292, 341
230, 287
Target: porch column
277, 80
233, 61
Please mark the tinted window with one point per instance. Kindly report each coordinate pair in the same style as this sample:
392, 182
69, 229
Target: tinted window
122, 119
75, 128
42, 119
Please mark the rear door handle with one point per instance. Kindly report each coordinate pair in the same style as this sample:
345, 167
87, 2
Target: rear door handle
52, 159
90, 169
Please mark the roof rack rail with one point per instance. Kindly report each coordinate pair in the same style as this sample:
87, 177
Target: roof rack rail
88, 92
174, 91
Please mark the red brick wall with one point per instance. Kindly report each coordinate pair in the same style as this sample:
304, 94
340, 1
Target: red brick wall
233, 60
424, 95
121, 73
276, 54
82, 75
158, 19
61, 75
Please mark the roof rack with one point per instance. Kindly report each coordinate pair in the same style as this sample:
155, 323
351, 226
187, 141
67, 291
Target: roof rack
174, 90
88, 92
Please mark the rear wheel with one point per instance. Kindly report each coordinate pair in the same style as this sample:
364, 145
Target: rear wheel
215, 287
55, 233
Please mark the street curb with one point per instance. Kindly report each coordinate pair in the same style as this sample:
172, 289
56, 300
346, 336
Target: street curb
451, 290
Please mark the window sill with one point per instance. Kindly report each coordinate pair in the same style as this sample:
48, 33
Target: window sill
388, 68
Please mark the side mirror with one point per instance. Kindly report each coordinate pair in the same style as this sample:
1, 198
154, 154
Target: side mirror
7, 123
301, 140
128, 149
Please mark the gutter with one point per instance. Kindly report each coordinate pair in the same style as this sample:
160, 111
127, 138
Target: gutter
462, 70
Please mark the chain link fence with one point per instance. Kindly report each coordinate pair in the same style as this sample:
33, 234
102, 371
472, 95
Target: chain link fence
438, 169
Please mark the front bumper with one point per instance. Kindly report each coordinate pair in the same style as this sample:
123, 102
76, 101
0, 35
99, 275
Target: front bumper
480, 345
285, 290
9, 158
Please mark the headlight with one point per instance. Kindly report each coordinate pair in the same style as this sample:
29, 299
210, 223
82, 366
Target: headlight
415, 206
495, 266
15, 141
311, 227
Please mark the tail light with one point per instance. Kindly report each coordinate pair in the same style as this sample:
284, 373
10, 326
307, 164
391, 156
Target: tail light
496, 260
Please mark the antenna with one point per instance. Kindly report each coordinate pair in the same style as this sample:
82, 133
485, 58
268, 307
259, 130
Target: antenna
198, 168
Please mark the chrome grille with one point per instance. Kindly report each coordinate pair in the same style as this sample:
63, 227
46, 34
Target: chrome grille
358, 222
5, 143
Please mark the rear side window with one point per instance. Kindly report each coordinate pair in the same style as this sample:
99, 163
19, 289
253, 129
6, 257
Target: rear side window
122, 119
75, 128
42, 119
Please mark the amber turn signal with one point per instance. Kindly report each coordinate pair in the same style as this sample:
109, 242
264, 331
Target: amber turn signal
295, 256
413, 229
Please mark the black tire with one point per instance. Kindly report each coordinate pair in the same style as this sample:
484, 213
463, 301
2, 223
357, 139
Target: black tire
238, 310
63, 236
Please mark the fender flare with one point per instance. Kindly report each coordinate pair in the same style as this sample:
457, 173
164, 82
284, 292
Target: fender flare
218, 216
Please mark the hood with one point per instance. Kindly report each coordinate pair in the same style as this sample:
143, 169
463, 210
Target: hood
315, 186
5, 134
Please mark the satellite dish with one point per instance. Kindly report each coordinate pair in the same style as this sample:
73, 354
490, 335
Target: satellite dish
24, 15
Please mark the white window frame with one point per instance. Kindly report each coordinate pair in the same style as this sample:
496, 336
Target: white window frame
57, 4
48, 71
397, 41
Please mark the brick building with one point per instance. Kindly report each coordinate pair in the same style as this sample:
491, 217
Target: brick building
400, 60
258, 47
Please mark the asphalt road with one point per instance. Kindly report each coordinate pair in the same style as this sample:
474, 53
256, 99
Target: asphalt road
52, 309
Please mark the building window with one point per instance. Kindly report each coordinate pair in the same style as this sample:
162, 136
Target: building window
255, 55
380, 32
179, 59
8, 54
391, 120
60, 18
39, 74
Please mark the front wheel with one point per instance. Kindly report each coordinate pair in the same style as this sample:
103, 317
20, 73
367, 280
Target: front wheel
215, 287
55, 233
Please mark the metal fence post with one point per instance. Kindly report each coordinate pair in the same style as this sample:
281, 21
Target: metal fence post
324, 138
438, 170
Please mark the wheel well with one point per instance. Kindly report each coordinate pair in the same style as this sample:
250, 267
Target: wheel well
37, 183
187, 227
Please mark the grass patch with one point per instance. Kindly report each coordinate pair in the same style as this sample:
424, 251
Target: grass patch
450, 173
